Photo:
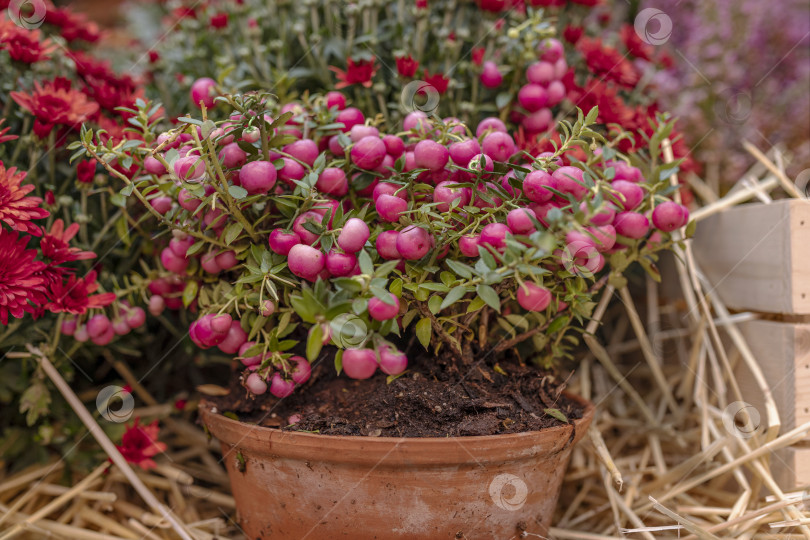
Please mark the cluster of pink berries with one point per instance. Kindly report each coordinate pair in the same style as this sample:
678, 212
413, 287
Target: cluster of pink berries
100, 329
444, 167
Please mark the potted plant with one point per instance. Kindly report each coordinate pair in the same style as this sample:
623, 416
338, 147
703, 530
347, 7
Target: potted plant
396, 304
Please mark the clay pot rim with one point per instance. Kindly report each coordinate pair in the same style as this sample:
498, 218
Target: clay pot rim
409, 450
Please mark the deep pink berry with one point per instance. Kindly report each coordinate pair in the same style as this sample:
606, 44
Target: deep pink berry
629, 196
256, 384
499, 146
333, 181
463, 151
382, 311
390, 207
354, 235
301, 369
532, 97
491, 76
413, 242
368, 153
359, 363
570, 180
392, 361
631, 224
281, 241
281, 387
520, 221
203, 91
533, 297
306, 261
669, 216
339, 263
257, 177
430, 155
386, 245
445, 195
494, 235
535, 186
468, 245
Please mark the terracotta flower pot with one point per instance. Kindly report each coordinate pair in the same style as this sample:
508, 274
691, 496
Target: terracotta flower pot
301, 485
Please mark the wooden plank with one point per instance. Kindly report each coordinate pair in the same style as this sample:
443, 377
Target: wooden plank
757, 256
783, 351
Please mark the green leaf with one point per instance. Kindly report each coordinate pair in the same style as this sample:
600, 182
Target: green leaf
231, 232
489, 296
197, 246
690, 229
190, 292
339, 361
314, 342
382, 294
558, 324
423, 332
435, 304
384, 269
366, 266
238, 192
455, 294
460, 268
476, 304
556, 413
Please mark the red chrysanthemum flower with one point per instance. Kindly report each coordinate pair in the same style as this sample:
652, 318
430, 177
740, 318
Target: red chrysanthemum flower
421, 4
608, 63
407, 66
85, 171
359, 72
56, 103
572, 34
140, 443
220, 20
438, 81
16, 209
3, 131
74, 295
477, 55
23, 45
55, 244
635, 45
73, 26
22, 289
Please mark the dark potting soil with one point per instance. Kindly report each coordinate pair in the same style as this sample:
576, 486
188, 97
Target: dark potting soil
434, 398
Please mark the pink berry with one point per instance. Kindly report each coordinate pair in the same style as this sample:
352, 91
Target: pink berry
570, 180
203, 91
390, 207
490, 124
268, 308
180, 245
462, 152
281, 241
306, 261
232, 156
533, 297
550, 49
336, 100
386, 245
234, 339
359, 131
305, 150
249, 360
430, 155
631, 224
153, 166
630, 194
333, 181
603, 216
189, 168
220, 324
445, 195
394, 145
540, 73
208, 262
556, 93
468, 245
499, 146
494, 235
135, 317
105, 338
255, 384
120, 327
538, 121
350, 117
301, 369
368, 153
354, 235
187, 200
520, 221
532, 97
291, 171
340, 264
560, 67
535, 186
604, 236
226, 260
491, 76
623, 171
68, 327
392, 361
280, 387
382, 311
415, 120
413, 242
172, 262
156, 305
307, 237
481, 164
257, 177
97, 325
359, 363
669, 216
161, 204
387, 188
81, 334
251, 135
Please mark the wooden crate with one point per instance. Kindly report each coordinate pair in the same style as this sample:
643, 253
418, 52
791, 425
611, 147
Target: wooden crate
783, 351
757, 256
